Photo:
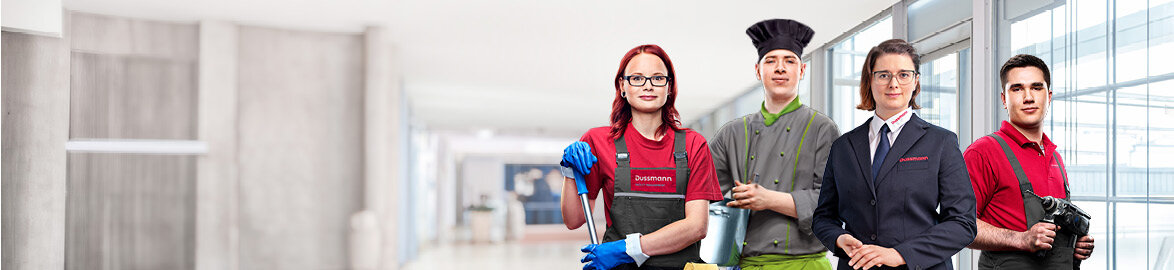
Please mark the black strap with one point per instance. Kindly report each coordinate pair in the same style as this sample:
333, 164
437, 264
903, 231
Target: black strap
1032, 204
622, 160
681, 157
1063, 172
679, 154
1024, 184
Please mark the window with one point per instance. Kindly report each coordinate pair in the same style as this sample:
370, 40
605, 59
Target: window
749, 102
1110, 115
847, 58
804, 87
939, 90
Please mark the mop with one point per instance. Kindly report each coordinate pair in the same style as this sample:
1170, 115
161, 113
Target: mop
582, 190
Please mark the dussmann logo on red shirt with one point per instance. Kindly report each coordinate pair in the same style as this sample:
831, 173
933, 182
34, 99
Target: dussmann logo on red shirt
661, 181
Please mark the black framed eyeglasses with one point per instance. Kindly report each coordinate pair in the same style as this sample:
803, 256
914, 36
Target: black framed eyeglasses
903, 77
638, 80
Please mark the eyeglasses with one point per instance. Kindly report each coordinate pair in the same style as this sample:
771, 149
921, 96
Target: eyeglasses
637, 80
903, 77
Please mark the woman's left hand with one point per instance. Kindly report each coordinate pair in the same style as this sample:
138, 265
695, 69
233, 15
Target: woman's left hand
752, 196
870, 256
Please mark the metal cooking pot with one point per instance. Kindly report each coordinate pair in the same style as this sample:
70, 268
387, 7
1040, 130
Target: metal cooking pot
724, 236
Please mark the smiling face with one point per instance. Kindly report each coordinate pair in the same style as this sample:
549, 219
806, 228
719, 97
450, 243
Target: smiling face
646, 98
892, 94
1026, 96
780, 71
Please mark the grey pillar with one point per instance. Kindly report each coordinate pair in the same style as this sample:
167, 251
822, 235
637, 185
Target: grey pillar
982, 43
819, 70
217, 196
900, 17
300, 151
381, 152
35, 129
982, 103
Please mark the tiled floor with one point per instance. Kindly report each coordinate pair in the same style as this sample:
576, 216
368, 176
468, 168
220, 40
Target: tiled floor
510, 255
541, 247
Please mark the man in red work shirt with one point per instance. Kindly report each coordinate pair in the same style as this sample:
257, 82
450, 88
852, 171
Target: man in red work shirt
1005, 235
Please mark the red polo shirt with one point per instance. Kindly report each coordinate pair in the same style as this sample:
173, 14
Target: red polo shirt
645, 153
996, 190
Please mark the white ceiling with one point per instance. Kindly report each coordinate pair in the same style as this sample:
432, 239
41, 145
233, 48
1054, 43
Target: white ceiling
532, 67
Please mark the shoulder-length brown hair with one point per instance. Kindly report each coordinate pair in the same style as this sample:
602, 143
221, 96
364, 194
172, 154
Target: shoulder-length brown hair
892, 46
621, 111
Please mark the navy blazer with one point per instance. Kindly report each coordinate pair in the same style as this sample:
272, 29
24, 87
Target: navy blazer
923, 203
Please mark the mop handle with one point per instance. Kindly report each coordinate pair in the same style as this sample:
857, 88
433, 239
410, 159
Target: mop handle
590, 220
587, 210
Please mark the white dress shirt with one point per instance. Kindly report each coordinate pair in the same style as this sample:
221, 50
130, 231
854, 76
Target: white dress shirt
895, 123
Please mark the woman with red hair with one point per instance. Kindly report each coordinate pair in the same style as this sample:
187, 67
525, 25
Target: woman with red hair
657, 178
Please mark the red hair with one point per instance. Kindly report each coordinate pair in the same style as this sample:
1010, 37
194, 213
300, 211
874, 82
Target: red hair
621, 111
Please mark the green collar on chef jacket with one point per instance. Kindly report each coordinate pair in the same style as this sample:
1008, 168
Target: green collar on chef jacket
772, 117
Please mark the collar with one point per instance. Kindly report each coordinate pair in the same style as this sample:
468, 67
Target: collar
633, 137
1019, 139
770, 118
895, 122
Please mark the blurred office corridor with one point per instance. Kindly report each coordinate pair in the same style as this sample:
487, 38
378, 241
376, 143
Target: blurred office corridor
425, 134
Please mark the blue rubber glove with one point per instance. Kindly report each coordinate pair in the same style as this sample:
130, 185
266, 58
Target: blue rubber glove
606, 256
578, 157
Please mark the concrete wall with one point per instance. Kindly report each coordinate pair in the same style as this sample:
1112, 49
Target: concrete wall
217, 182
130, 211
131, 79
35, 128
300, 146
304, 131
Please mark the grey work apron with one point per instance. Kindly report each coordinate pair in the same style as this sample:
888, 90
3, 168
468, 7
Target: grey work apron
1060, 256
644, 206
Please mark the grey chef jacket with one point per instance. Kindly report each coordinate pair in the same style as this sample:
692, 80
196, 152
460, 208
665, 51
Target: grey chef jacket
771, 157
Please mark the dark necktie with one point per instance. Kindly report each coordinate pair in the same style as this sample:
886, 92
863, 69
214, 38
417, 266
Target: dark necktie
882, 149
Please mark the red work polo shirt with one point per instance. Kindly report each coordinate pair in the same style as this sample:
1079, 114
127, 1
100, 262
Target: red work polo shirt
649, 153
996, 190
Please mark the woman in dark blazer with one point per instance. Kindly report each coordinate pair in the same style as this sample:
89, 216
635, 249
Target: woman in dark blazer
895, 191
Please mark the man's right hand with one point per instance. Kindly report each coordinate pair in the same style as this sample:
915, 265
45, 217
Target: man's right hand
848, 243
1038, 237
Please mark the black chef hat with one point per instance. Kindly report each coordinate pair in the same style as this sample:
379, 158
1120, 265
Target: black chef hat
776, 34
